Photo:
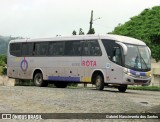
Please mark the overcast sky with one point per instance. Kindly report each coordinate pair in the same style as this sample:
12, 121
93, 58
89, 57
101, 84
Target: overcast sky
47, 18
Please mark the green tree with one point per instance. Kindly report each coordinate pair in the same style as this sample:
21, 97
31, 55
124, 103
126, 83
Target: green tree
74, 32
146, 27
81, 31
91, 31
3, 60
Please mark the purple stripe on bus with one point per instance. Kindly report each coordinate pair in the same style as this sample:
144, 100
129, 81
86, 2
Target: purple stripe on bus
143, 74
60, 78
140, 73
133, 72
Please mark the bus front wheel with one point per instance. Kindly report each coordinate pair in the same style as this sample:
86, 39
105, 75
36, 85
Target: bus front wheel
122, 88
99, 82
38, 80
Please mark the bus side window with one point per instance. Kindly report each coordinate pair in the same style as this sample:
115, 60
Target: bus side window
72, 48
41, 48
113, 51
12, 48
61, 51
50, 49
68, 48
91, 48
85, 49
59, 48
27, 49
24, 49
56, 48
37, 49
77, 48
95, 49
117, 56
30, 48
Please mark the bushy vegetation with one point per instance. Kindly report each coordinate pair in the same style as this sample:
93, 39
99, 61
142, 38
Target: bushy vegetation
4, 40
3, 62
146, 27
148, 88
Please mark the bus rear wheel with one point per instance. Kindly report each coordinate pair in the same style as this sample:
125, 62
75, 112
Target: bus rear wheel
38, 80
61, 85
99, 82
122, 88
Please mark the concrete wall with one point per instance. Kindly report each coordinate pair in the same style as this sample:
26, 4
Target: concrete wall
155, 73
155, 65
5, 81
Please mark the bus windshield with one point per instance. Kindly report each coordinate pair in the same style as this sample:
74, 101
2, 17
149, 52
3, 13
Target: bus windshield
138, 58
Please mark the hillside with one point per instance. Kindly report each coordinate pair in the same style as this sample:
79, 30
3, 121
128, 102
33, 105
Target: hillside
3, 44
145, 26
4, 40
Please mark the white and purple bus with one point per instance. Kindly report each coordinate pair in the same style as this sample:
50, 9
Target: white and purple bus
109, 60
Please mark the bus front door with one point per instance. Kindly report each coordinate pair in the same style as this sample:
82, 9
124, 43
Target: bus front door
114, 73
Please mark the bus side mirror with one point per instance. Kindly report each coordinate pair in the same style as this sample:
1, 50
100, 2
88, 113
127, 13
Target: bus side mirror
125, 49
149, 50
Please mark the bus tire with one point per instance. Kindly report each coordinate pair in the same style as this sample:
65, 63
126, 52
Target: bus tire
122, 88
38, 80
99, 82
61, 85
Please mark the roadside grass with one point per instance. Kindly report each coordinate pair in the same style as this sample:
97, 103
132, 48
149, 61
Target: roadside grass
147, 88
1, 70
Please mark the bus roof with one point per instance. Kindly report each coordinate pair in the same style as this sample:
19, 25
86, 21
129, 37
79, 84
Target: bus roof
119, 38
125, 39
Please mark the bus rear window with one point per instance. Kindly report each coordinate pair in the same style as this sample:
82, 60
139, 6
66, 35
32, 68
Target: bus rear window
15, 49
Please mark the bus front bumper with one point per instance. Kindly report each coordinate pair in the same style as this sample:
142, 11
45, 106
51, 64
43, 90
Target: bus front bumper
131, 80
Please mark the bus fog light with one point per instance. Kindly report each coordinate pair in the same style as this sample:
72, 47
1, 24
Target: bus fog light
129, 73
129, 80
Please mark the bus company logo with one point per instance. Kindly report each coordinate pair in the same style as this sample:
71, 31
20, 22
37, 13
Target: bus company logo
24, 65
89, 63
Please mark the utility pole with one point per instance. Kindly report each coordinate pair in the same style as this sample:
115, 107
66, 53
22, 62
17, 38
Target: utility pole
91, 30
91, 21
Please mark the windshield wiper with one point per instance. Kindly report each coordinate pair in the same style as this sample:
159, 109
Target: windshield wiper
144, 62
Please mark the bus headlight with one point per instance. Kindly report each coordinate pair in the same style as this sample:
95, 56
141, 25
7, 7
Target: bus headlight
126, 71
